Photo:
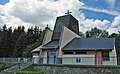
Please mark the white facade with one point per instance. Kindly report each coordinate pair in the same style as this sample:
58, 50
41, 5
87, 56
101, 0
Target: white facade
74, 59
113, 58
48, 36
36, 59
44, 56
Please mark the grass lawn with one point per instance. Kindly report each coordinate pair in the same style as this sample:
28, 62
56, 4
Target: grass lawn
29, 72
5, 65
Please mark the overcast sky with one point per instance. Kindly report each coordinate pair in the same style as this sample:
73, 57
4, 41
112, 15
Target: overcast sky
104, 14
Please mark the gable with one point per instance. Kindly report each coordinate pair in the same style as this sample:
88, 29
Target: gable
48, 36
66, 36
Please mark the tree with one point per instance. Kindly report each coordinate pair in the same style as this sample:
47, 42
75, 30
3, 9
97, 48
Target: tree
20, 45
9, 42
30, 33
4, 28
96, 33
81, 34
0, 41
5, 41
113, 35
36, 34
17, 42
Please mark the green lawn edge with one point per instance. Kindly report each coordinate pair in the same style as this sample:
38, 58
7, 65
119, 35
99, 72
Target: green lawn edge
29, 72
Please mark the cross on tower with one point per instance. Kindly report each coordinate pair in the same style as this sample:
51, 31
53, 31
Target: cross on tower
68, 12
47, 27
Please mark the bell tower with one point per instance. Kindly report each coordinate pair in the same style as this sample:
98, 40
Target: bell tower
68, 21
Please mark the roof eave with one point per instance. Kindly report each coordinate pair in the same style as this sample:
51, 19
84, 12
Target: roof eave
87, 49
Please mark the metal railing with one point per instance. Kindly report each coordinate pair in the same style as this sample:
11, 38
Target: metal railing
16, 60
60, 60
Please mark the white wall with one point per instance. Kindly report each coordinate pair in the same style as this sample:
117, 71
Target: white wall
71, 59
36, 59
44, 57
66, 36
48, 36
113, 58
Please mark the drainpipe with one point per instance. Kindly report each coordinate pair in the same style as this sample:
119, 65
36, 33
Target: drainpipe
96, 62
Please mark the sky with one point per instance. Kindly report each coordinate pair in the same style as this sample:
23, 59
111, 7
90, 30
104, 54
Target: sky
103, 14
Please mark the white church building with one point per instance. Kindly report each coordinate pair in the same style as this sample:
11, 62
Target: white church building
63, 45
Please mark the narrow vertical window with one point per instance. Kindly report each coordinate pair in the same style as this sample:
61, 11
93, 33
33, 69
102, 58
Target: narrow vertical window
105, 56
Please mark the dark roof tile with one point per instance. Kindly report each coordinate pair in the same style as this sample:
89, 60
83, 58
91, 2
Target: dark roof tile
90, 44
51, 44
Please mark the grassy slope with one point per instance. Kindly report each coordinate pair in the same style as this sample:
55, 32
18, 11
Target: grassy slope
6, 65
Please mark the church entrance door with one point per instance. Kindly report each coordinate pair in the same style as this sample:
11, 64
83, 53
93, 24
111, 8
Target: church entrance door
51, 57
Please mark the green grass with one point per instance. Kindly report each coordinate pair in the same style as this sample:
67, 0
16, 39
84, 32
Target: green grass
29, 72
5, 65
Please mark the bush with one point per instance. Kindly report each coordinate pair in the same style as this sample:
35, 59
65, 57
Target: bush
28, 72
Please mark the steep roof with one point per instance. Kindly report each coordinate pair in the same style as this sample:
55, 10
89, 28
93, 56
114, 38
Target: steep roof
51, 44
68, 21
36, 49
90, 44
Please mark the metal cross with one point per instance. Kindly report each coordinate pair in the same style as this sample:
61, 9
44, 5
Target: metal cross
68, 12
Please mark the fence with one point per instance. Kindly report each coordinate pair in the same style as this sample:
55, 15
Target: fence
65, 60
16, 60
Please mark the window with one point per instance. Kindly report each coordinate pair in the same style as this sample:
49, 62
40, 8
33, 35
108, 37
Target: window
82, 52
68, 52
51, 56
77, 52
105, 56
78, 60
59, 61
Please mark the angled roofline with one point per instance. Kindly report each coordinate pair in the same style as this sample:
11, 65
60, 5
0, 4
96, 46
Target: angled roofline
36, 49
